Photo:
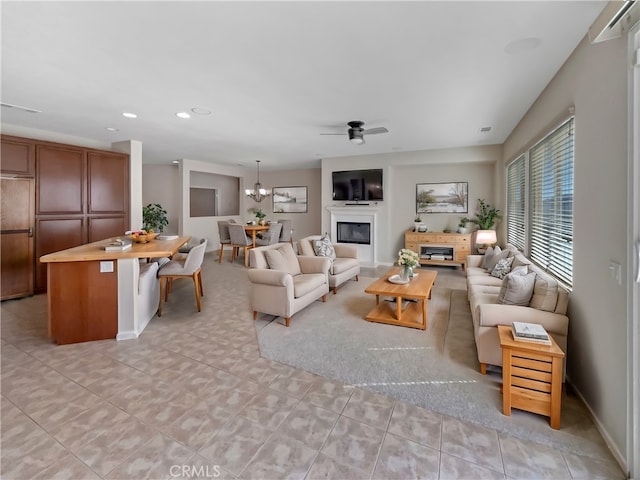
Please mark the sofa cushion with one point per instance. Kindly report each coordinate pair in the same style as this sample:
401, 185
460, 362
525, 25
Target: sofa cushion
283, 258
520, 260
340, 265
502, 268
517, 289
485, 279
324, 248
545, 292
488, 256
303, 284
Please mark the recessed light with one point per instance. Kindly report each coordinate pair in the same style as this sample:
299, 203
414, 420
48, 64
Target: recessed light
175, 161
113, 129
201, 111
183, 115
129, 115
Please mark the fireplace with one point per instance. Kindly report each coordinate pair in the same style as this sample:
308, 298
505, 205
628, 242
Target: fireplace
353, 232
357, 226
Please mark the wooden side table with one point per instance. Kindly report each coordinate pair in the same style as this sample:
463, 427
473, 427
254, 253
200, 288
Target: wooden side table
531, 376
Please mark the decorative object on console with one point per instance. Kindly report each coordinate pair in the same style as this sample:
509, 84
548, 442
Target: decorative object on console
485, 239
289, 199
449, 197
417, 222
258, 193
154, 217
408, 260
462, 225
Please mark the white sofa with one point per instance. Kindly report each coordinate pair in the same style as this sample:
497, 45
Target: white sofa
547, 306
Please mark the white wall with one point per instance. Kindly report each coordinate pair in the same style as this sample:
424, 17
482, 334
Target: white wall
161, 184
401, 173
594, 79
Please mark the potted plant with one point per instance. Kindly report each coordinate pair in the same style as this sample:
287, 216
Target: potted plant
154, 218
462, 225
416, 223
486, 215
260, 215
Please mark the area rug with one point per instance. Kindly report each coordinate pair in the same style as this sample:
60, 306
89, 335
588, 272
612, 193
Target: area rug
436, 368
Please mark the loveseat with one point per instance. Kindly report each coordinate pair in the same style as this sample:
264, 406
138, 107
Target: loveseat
283, 283
533, 297
344, 261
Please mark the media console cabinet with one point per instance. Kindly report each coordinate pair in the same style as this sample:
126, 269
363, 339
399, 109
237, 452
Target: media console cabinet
438, 248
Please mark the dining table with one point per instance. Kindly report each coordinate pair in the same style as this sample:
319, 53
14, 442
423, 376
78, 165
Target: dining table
253, 230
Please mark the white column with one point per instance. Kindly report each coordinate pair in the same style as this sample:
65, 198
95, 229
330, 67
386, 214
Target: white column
134, 149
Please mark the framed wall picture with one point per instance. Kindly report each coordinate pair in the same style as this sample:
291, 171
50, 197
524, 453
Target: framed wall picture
452, 197
289, 199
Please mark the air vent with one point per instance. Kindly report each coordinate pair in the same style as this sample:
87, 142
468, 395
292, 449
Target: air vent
615, 19
485, 129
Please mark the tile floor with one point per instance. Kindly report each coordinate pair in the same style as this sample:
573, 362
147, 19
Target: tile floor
192, 398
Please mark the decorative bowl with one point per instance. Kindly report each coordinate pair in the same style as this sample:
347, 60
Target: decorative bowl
143, 237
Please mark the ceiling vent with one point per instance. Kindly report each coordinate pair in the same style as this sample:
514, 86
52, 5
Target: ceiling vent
616, 18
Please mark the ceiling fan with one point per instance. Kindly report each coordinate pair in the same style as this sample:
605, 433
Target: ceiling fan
356, 132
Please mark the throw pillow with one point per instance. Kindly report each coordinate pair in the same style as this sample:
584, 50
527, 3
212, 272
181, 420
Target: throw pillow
502, 268
283, 259
324, 248
517, 289
488, 256
518, 270
496, 258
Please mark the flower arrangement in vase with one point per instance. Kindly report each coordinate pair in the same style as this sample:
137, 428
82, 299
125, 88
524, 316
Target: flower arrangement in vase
408, 260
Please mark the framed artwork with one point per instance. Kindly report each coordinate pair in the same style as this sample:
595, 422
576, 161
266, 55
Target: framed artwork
289, 199
452, 197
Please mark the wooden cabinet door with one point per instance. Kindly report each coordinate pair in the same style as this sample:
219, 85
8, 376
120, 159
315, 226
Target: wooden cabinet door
108, 183
106, 227
16, 225
18, 157
55, 234
60, 179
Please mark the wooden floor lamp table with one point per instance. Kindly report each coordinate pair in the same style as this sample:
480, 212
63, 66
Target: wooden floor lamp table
531, 376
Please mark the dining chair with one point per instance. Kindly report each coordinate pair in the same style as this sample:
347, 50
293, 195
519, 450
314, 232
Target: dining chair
223, 231
287, 231
190, 266
271, 236
239, 239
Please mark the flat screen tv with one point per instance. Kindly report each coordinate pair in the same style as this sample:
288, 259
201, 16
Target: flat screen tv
357, 185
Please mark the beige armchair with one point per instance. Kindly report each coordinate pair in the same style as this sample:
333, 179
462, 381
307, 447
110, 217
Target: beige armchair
343, 267
283, 283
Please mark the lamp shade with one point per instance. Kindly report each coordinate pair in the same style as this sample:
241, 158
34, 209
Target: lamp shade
486, 237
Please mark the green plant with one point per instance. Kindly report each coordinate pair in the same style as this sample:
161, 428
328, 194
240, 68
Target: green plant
417, 219
260, 214
463, 222
154, 217
486, 215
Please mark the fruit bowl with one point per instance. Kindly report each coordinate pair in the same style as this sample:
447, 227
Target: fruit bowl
143, 237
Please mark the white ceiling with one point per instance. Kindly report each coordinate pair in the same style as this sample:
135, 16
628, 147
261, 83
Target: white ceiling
277, 74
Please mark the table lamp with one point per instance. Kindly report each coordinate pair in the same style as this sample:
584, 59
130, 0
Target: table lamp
485, 239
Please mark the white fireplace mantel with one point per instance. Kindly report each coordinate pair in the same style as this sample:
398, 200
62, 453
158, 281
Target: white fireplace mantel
367, 254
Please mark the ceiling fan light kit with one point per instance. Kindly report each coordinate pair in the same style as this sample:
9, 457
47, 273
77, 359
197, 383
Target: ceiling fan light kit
258, 193
356, 133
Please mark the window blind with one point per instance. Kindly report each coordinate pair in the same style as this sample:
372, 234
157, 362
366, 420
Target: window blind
516, 200
551, 202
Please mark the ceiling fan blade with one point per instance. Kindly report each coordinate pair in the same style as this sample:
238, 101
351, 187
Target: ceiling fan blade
333, 134
373, 131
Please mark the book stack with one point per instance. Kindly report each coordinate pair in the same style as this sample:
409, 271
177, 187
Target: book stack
119, 245
530, 332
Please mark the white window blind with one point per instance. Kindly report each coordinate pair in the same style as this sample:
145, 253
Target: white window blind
551, 204
516, 202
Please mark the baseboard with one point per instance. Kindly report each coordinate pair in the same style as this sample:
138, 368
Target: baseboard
613, 448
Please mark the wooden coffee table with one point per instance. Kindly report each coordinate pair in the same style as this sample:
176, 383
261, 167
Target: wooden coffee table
414, 315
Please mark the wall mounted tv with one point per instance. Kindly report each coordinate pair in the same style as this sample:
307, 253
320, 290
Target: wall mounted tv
357, 185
